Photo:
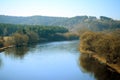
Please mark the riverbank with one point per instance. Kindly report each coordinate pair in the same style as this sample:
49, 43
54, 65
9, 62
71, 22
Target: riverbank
112, 67
3, 48
6, 47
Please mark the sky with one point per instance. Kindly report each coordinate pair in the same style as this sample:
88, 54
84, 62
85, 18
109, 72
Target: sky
61, 8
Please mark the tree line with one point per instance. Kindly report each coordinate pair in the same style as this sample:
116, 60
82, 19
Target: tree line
11, 34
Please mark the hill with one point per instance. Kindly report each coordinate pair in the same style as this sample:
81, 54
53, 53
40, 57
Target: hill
73, 23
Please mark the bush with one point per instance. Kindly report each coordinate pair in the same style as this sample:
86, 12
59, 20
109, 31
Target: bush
33, 37
20, 39
1, 42
104, 44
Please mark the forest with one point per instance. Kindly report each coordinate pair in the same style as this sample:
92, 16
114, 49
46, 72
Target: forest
71, 23
14, 34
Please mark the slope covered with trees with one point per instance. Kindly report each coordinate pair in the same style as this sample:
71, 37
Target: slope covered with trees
73, 23
11, 34
31, 20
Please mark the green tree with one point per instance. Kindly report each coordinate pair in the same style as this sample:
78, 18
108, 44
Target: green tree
33, 37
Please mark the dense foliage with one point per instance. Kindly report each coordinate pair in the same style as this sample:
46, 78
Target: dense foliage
104, 44
27, 34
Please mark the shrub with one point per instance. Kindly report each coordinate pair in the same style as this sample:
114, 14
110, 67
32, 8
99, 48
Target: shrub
103, 44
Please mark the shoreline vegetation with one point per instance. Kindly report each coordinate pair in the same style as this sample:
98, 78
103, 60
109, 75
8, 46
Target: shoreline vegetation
18, 35
112, 67
102, 46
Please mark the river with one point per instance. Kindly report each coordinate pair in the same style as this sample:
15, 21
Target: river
46, 61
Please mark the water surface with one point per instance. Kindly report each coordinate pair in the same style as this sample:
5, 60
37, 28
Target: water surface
47, 61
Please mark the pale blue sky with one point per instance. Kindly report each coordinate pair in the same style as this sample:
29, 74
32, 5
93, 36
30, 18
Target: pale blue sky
61, 8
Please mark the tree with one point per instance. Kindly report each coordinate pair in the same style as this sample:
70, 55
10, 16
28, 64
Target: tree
20, 39
33, 37
1, 42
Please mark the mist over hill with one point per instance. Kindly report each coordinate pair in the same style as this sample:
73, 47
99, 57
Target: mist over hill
73, 23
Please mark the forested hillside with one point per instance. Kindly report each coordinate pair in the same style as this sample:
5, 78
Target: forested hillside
33, 20
19, 30
73, 23
13, 34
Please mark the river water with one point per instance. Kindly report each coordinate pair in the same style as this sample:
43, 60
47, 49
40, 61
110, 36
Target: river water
47, 61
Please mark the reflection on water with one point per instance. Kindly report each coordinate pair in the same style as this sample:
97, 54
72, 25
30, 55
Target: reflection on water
51, 61
0, 62
100, 71
17, 52
48, 61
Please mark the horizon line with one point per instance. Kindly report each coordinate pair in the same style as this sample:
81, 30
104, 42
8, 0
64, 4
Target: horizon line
98, 17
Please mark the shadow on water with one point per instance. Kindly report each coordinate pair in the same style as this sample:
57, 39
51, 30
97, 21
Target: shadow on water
0, 62
100, 71
17, 52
